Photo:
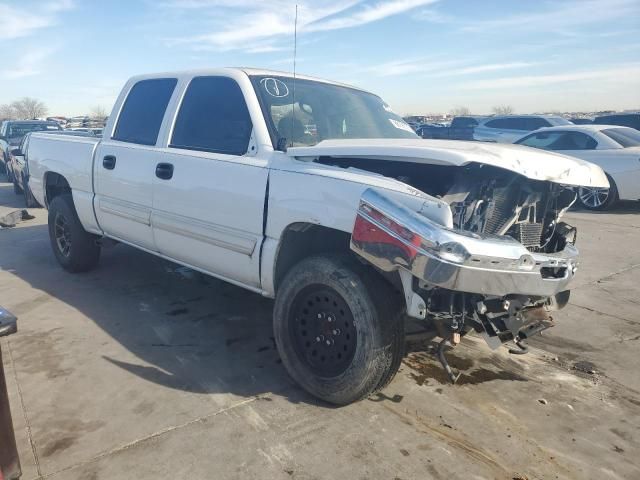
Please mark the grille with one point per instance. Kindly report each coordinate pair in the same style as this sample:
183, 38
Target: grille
529, 234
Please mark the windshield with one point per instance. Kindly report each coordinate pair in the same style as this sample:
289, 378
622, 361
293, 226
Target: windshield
19, 130
323, 111
627, 137
558, 121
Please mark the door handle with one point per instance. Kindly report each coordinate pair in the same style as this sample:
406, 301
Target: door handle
109, 162
164, 171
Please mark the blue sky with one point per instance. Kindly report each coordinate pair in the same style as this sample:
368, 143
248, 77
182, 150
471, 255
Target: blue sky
419, 55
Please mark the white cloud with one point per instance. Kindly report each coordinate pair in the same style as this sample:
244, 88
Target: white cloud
254, 26
615, 73
562, 17
440, 68
29, 63
22, 21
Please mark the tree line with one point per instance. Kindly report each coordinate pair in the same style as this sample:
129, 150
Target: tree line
28, 108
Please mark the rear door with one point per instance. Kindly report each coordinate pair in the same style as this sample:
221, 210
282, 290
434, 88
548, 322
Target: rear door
125, 163
209, 190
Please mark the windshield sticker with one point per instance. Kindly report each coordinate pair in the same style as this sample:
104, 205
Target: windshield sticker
401, 125
274, 87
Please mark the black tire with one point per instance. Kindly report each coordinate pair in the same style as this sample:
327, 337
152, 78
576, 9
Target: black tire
29, 200
16, 188
599, 199
361, 302
75, 249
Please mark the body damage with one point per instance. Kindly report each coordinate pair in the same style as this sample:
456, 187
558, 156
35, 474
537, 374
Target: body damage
501, 263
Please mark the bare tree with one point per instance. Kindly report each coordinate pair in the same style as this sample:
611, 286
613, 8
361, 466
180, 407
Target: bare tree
98, 112
29, 108
503, 110
7, 112
460, 111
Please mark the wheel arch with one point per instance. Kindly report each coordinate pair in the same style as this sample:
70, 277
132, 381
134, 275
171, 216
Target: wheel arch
55, 184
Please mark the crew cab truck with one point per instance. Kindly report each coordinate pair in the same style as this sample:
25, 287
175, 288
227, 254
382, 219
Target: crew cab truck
351, 225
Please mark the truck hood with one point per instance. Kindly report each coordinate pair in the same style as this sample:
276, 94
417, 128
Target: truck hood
529, 162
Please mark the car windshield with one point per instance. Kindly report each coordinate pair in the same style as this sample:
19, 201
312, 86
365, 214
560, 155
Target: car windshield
558, 121
324, 111
627, 137
19, 130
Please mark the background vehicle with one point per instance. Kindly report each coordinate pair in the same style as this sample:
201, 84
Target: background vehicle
507, 128
615, 149
12, 132
18, 166
631, 120
349, 229
461, 128
581, 121
9, 459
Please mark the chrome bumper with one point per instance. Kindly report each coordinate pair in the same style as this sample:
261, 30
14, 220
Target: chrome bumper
392, 236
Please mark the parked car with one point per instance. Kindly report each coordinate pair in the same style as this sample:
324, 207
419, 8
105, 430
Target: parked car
9, 458
507, 128
631, 120
345, 229
461, 128
581, 121
615, 149
12, 132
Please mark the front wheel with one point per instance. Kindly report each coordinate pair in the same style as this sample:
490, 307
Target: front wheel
338, 328
75, 249
598, 199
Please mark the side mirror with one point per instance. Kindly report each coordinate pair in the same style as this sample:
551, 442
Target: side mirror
16, 152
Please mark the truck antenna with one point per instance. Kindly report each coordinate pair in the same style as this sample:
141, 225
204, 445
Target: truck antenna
295, 52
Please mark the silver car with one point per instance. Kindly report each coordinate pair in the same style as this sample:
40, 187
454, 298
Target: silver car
508, 128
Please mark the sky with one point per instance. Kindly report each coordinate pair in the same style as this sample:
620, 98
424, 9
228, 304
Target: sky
421, 56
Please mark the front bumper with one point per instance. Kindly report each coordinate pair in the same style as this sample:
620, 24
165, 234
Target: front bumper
392, 236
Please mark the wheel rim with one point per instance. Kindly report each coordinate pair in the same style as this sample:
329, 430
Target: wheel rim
322, 330
62, 235
593, 197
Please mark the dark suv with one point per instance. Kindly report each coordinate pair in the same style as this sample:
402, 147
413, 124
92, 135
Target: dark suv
623, 119
12, 132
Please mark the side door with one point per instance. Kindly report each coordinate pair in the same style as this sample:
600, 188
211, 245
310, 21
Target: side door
209, 190
125, 163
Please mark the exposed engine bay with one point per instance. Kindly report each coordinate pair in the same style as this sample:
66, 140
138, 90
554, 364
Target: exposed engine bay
488, 201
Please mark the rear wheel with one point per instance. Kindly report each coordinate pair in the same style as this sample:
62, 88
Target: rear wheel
600, 199
75, 248
16, 188
339, 328
29, 200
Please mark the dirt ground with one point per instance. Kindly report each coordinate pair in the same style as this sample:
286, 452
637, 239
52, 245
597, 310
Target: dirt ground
144, 369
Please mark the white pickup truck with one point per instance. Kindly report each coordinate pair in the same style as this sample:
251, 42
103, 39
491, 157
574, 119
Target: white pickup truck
317, 194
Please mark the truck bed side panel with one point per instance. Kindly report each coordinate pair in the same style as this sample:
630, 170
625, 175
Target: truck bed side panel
71, 157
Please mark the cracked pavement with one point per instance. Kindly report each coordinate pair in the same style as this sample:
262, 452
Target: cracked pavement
144, 369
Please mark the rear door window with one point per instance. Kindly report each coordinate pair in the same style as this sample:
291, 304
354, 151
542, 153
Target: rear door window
560, 140
213, 117
143, 111
534, 123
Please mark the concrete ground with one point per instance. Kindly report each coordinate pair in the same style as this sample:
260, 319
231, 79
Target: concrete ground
143, 369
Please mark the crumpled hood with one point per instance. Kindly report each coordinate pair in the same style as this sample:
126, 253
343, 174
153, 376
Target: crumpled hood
529, 162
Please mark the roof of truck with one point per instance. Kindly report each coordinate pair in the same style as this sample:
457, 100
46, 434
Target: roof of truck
246, 70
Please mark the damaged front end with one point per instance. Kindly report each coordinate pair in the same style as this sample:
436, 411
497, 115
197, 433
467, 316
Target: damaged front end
505, 264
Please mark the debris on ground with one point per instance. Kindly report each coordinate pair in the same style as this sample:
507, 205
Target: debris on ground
11, 219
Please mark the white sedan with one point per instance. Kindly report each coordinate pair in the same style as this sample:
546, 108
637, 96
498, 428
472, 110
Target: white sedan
615, 149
